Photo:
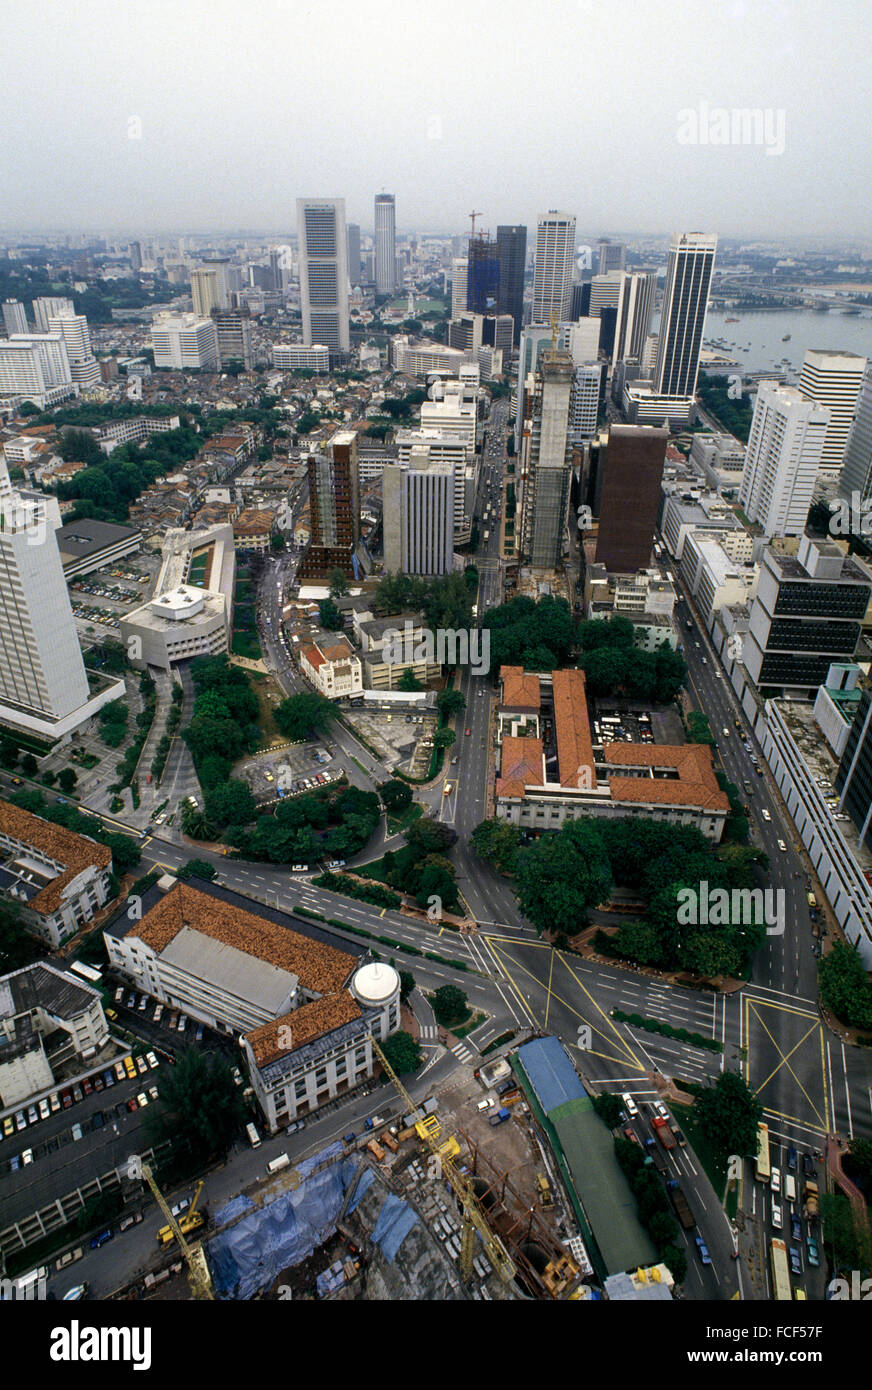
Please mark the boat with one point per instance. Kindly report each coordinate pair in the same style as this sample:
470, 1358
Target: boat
729, 320
786, 338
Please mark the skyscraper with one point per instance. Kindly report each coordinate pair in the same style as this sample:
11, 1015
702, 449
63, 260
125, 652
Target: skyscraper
459, 278
418, 514
385, 243
209, 289
628, 484
553, 266
84, 367
605, 291
833, 379
856, 475
45, 307
682, 319
233, 338
635, 307
612, 255
35, 367
482, 276
782, 459
334, 503
324, 271
135, 250
512, 254
546, 491
353, 253
14, 317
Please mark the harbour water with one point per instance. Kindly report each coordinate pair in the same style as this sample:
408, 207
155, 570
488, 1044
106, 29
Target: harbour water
762, 336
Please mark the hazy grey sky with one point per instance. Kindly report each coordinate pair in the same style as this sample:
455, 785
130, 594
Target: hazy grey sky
508, 106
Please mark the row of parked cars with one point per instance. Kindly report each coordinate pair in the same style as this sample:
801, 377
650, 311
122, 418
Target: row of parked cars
127, 1069
174, 1018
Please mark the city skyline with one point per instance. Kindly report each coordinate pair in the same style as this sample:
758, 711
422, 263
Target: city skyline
164, 142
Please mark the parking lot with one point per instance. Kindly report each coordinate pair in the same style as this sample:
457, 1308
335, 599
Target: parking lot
105, 595
285, 771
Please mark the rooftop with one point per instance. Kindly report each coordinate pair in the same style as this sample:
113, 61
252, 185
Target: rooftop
521, 766
65, 847
520, 688
572, 728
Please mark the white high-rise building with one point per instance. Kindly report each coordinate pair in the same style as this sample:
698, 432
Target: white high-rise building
14, 317
208, 290
43, 685
553, 267
35, 367
856, 475
323, 241
418, 514
605, 291
784, 450
73, 328
682, 319
385, 243
185, 342
584, 404
48, 307
459, 282
580, 340
635, 307
833, 379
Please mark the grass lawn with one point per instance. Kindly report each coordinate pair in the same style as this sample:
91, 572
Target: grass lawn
716, 1168
265, 686
404, 819
465, 1028
246, 644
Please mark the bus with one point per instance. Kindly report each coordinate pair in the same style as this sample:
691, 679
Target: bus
87, 972
764, 1171
780, 1273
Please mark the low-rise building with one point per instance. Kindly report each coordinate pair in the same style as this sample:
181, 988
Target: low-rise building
49, 1022
60, 879
87, 545
191, 612
333, 667
252, 529
400, 633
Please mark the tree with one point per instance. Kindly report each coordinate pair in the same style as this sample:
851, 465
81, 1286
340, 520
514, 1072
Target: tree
8, 752
427, 836
17, 947
67, 778
729, 1113
402, 1052
277, 541
197, 868
561, 876
337, 582
303, 716
443, 738
331, 616
200, 1105
450, 1005
450, 702
230, 804
396, 795
407, 984
844, 987
608, 1107
29, 764
698, 728
408, 680
497, 842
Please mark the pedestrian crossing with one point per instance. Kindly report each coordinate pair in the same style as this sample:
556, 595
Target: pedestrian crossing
429, 1032
461, 1052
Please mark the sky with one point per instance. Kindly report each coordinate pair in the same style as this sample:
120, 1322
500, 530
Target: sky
194, 116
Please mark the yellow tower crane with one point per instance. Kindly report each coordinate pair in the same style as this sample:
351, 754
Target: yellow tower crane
198, 1270
429, 1130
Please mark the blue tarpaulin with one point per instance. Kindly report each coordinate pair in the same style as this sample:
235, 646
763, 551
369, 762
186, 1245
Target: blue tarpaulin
395, 1221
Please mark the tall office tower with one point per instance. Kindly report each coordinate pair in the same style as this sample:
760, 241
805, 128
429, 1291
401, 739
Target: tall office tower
806, 614
612, 255
233, 338
334, 504
47, 307
581, 339
206, 291
135, 252
553, 266
324, 271
459, 278
471, 331
546, 493
512, 254
353, 233
534, 340
184, 341
35, 367
682, 319
276, 279
635, 307
482, 276
628, 486
84, 367
418, 515
385, 243
605, 291
853, 781
14, 317
585, 401
608, 317
42, 674
833, 379
784, 450
579, 304
856, 475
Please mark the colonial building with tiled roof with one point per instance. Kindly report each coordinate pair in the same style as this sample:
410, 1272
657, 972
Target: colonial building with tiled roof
60, 879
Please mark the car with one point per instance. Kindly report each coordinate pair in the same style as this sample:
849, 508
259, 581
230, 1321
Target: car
808, 1166
630, 1105
765, 814
796, 1229
237, 1076
142, 1100
69, 1257
133, 1219
130, 1068
173, 1019
27, 1157
120, 1073
791, 1158
299, 868
703, 1251
119, 994
102, 1238
630, 1134
97, 1083
99, 1120
468, 732
200, 1031
32, 1115
66, 1099
143, 1003
180, 1206
777, 1216
76, 1132
336, 864
14, 1163
660, 1109
131, 1104
152, 1060
20, 1120
183, 1019
758, 769
141, 1065
60, 801
44, 1109
795, 1260
811, 1250
775, 1180
158, 1013
131, 1001
87, 1087
726, 732
705, 663
679, 1137
782, 846
8, 1127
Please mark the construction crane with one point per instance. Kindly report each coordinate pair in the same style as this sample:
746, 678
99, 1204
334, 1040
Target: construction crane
198, 1270
428, 1129
190, 1220
472, 217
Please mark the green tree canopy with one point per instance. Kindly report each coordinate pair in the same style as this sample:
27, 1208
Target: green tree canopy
402, 1052
303, 716
200, 1105
729, 1113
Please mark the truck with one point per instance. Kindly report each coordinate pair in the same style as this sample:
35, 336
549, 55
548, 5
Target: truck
655, 1157
679, 1202
663, 1132
502, 1114
374, 1123
810, 1201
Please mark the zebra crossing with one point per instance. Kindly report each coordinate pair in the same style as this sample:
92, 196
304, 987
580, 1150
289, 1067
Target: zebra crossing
461, 1052
429, 1032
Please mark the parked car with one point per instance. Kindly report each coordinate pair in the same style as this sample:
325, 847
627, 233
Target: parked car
20, 1120
152, 1060
132, 1220
54, 1102
97, 1082
808, 1165
8, 1127
811, 1250
158, 1013
791, 1158
141, 1065
76, 1132
180, 1206
142, 1100
777, 1217
152, 1091
44, 1109
66, 1099
703, 1251
14, 1163
102, 1238
27, 1157
99, 1120
795, 1260
32, 1115
131, 1104
182, 1021
87, 1087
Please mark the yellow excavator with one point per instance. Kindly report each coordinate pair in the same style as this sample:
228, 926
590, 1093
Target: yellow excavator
188, 1221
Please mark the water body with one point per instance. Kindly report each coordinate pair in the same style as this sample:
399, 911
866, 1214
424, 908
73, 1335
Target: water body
762, 334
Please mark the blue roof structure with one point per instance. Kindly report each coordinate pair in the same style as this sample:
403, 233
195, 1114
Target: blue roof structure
550, 1072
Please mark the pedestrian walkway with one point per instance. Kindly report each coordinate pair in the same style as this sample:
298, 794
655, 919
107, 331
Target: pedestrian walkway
461, 1052
429, 1032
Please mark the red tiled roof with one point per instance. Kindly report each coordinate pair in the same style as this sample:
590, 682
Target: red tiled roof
520, 688
76, 852
572, 728
520, 766
696, 784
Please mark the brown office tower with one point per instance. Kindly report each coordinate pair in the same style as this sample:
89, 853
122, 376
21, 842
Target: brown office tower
628, 488
334, 504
